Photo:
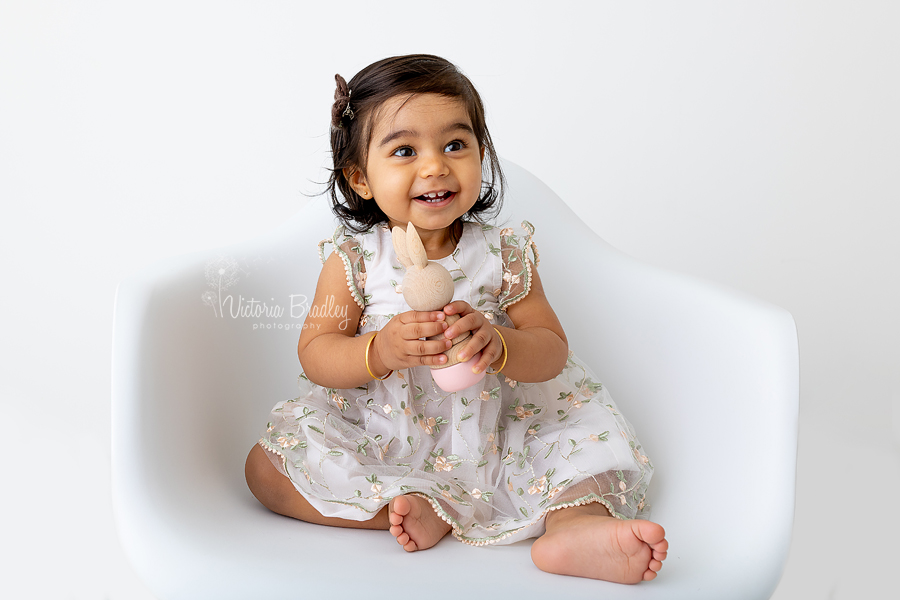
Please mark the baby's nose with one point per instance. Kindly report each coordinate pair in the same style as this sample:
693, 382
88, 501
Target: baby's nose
433, 165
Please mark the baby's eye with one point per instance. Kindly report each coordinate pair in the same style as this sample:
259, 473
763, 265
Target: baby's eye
404, 152
454, 146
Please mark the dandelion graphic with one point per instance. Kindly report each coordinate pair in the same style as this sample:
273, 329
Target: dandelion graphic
221, 274
210, 299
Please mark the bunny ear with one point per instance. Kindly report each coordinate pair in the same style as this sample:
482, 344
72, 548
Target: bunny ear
398, 237
415, 248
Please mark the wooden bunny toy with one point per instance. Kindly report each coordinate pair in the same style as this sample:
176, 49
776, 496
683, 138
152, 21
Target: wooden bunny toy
428, 286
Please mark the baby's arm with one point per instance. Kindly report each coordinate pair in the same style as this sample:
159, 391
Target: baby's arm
537, 347
333, 356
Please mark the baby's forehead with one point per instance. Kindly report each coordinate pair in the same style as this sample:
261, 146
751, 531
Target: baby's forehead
419, 114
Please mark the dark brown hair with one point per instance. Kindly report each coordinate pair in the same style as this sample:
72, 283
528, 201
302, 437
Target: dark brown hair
356, 104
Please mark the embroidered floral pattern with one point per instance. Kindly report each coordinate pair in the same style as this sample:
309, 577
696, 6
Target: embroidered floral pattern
352, 255
541, 447
516, 263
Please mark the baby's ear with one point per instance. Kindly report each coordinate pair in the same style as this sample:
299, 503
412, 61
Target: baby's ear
398, 237
357, 181
415, 248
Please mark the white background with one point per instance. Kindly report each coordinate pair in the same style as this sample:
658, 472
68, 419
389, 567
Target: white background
756, 144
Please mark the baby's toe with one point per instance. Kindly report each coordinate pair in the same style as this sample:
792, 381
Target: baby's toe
400, 506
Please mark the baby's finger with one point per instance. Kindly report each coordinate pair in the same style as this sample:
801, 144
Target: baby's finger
421, 316
417, 349
471, 322
489, 355
458, 307
479, 340
434, 360
414, 331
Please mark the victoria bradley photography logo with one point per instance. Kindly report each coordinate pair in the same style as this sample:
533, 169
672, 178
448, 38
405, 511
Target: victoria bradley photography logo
223, 274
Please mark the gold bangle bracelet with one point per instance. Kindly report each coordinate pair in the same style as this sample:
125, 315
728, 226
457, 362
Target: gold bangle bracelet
505, 351
369, 369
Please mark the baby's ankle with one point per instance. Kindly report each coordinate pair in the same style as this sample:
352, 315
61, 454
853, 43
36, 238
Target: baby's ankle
562, 516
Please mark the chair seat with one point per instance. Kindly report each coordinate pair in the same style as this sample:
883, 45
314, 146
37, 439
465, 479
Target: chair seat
707, 376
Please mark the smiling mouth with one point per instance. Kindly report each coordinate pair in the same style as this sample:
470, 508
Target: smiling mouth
436, 197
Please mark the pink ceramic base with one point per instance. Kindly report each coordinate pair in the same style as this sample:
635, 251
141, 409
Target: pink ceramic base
459, 376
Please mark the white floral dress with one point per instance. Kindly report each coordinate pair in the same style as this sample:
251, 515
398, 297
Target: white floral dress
492, 459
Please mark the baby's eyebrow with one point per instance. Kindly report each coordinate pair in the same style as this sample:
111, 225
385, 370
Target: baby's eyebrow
459, 126
411, 133
396, 134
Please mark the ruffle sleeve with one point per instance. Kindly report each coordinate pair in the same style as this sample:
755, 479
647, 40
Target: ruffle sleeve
515, 245
351, 253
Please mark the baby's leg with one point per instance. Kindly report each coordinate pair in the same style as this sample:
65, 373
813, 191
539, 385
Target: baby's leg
278, 494
586, 541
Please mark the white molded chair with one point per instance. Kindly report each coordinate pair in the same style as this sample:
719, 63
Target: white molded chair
708, 377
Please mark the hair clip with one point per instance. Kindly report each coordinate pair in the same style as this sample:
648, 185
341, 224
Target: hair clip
348, 112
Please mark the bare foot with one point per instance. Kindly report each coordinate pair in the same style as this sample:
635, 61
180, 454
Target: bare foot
586, 542
415, 524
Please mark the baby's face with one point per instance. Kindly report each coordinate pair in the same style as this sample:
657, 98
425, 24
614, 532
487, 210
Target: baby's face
424, 162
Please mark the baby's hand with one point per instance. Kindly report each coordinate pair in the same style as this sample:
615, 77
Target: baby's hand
399, 344
484, 337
